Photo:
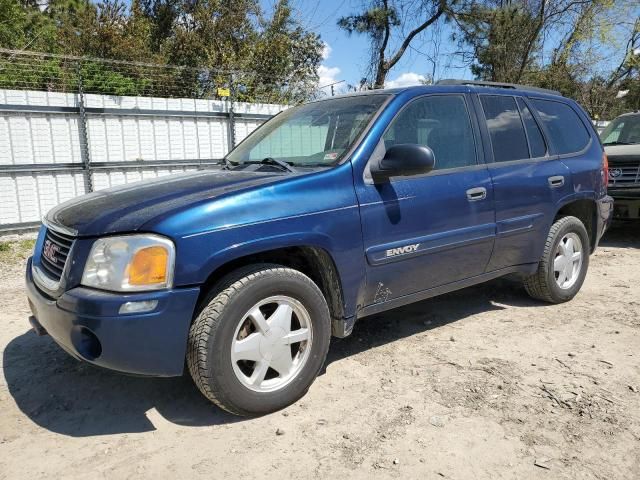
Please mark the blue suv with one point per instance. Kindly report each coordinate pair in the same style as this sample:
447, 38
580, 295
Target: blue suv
329, 212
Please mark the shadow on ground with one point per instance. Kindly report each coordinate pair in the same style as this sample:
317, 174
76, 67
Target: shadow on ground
622, 235
377, 330
71, 398
66, 396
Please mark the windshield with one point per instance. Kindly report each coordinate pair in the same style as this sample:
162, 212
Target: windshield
622, 131
311, 135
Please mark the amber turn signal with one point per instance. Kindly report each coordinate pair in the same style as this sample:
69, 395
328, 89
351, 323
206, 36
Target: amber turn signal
148, 266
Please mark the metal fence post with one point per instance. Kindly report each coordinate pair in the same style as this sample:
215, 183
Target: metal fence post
82, 130
31, 71
232, 120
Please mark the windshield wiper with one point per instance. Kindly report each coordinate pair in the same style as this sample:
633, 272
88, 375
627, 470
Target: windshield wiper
227, 164
618, 143
277, 162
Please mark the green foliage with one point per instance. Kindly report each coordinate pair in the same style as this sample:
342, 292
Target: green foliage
372, 22
555, 44
285, 58
15, 251
23, 25
501, 39
203, 41
98, 77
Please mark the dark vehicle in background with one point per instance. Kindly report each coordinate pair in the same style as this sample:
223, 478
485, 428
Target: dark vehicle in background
621, 140
330, 212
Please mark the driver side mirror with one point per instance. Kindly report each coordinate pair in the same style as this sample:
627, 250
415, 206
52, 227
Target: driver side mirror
402, 161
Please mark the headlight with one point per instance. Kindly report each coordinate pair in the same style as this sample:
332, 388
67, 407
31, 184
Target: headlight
130, 263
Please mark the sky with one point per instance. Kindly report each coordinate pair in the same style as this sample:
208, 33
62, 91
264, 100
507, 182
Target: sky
345, 56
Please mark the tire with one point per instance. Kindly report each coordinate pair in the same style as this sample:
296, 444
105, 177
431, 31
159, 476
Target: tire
544, 284
228, 319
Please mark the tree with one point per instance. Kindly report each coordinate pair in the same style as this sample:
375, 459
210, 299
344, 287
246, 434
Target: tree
285, 56
204, 41
630, 63
381, 20
563, 45
22, 26
507, 37
502, 40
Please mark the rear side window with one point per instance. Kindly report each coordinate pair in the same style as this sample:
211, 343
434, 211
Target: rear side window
537, 146
508, 139
567, 132
440, 122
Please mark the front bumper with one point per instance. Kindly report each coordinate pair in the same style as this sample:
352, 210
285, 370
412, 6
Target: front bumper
627, 206
86, 324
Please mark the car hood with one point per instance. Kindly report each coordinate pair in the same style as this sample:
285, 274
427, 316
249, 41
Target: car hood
622, 153
128, 207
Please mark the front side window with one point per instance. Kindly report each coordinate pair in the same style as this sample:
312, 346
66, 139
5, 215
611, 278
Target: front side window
440, 122
506, 129
622, 131
568, 133
315, 134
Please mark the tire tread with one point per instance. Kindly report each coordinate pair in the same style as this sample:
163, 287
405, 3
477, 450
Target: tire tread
537, 285
208, 321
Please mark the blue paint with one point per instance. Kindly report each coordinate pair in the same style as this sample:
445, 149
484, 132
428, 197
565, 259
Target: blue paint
216, 217
152, 343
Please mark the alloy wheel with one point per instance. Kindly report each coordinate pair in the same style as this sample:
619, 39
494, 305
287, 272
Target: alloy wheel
271, 344
568, 261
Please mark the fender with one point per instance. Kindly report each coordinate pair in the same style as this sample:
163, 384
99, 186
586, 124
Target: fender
340, 238
259, 245
318, 209
593, 225
581, 195
589, 195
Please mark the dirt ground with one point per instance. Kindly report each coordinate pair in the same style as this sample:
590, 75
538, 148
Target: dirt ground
483, 383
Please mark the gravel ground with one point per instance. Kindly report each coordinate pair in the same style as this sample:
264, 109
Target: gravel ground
483, 383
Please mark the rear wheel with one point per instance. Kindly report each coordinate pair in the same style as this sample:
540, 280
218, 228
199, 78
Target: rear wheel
564, 263
260, 341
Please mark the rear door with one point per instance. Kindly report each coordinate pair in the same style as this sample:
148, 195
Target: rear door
528, 182
424, 231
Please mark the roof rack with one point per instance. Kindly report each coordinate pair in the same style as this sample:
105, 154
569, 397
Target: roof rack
450, 81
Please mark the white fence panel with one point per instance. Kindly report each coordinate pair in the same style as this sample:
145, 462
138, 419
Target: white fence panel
26, 197
112, 178
42, 129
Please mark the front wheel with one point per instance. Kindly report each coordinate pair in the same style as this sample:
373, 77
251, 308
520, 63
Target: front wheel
260, 342
564, 263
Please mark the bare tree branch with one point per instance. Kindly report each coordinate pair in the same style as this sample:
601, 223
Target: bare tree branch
398, 55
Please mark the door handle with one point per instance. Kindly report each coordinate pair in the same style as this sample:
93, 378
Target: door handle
556, 181
475, 194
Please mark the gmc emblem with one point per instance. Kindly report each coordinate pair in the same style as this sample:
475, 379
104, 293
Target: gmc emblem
50, 251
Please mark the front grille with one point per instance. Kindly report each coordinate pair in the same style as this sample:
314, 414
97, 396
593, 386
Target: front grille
55, 251
624, 175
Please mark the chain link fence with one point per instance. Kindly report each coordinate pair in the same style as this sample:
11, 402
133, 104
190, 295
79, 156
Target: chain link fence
71, 125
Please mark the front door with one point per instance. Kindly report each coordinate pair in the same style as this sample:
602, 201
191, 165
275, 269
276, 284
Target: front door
425, 231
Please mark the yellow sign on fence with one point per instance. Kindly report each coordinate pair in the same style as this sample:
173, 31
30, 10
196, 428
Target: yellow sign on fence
224, 92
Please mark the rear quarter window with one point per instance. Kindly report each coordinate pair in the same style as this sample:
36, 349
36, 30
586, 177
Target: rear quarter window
564, 126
